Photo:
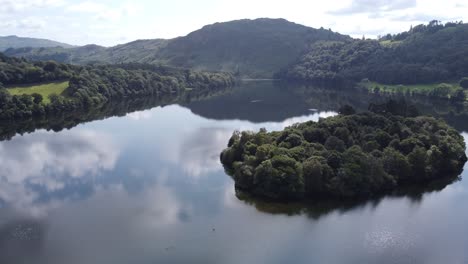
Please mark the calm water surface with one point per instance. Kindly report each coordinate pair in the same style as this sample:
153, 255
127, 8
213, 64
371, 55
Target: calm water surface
149, 188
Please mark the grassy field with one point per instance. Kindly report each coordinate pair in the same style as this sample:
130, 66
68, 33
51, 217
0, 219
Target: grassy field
43, 89
421, 89
389, 43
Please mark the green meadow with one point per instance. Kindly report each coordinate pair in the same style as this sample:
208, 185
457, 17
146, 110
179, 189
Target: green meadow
435, 89
43, 89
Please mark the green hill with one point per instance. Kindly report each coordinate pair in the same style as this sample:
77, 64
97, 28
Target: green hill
140, 51
14, 42
426, 54
252, 48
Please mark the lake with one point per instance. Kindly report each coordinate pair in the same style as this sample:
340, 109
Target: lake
148, 187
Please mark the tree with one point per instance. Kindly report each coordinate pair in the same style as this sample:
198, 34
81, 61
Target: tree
280, 177
50, 66
464, 82
435, 158
396, 164
318, 135
442, 90
361, 175
346, 110
334, 143
55, 99
314, 176
417, 158
5, 96
37, 98
342, 133
459, 95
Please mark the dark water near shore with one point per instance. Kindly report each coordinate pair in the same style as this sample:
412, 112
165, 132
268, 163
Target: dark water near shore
148, 187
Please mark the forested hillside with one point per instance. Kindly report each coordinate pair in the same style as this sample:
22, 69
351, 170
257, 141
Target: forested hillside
94, 85
140, 51
249, 48
425, 54
254, 48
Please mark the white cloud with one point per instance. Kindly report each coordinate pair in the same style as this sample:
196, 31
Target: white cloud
29, 25
367, 6
106, 22
20, 5
87, 7
103, 12
32, 23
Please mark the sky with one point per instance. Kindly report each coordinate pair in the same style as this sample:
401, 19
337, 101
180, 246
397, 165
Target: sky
111, 22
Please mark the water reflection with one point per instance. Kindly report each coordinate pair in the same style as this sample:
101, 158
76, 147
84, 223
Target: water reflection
317, 209
279, 100
140, 115
256, 102
19, 236
149, 188
103, 225
36, 168
198, 153
252, 101
197, 148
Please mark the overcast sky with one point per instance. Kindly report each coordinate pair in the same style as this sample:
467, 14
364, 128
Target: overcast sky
110, 22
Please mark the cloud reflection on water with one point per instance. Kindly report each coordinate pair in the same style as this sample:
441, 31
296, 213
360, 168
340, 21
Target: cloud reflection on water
47, 160
140, 115
198, 151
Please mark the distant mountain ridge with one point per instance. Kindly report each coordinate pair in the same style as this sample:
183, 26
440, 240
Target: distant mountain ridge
269, 48
8, 42
250, 48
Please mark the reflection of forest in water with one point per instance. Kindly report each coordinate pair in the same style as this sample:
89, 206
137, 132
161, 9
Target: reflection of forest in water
276, 101
256, 102
316, 209
456, 114
68, 120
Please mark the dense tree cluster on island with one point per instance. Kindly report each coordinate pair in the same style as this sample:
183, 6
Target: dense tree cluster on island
95, 84
425, 54
346, 156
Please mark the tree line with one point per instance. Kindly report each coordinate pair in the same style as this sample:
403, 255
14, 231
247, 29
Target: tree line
95, 84
426, 54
